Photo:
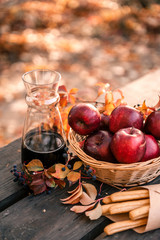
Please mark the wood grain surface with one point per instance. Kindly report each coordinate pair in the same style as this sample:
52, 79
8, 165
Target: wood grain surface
43, 216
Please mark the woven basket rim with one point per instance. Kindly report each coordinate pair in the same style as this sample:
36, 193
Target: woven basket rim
107, 165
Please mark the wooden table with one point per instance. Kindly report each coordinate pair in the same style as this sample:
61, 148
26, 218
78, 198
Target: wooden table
43, 216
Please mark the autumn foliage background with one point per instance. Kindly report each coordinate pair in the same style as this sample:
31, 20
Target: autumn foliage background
87, 41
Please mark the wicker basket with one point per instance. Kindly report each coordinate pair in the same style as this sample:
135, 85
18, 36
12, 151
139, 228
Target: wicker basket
124, 175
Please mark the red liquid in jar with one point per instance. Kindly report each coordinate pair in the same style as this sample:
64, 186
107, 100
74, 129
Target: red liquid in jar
46, 146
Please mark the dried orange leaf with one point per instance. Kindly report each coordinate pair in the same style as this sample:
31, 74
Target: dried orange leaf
63, 100
81, 209
71, 99
77, 165
103, 87
77, 190
109, 108
74, 198
120, 101
73, 176
60, 183
47, 173
62, 88
145, 110
101, 91
112, 101
73, 91
76, 201
109, 97
91, 190
35, 165
95, 213
85, 199
100, 84
144, 106
121, 95
58, 171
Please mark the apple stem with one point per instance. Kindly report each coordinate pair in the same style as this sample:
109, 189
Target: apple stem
132, 130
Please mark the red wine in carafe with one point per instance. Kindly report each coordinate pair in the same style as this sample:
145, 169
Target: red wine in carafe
47, 146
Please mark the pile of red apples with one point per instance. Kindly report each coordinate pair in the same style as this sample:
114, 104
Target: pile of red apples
121, 137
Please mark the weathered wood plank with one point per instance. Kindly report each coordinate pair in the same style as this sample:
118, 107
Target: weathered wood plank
44, 216
146, 88
13, 216
37, 216
10, 192
12, 199
26, 219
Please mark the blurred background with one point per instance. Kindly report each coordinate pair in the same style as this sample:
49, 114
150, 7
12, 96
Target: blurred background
87, 41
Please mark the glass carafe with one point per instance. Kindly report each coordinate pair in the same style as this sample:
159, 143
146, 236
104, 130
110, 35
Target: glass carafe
43, 135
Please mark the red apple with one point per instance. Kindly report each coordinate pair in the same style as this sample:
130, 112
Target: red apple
104, 123
128, 145
152, 148
152, 124
97, 145
125, 116
84, 118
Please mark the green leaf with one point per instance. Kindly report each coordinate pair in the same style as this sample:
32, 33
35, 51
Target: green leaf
35, 165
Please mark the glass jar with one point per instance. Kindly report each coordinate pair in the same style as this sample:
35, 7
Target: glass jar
43, 134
